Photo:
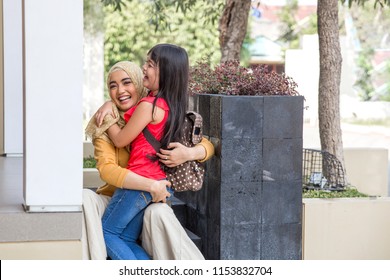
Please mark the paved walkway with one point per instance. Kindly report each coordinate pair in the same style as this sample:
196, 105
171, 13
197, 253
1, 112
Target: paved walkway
354, 136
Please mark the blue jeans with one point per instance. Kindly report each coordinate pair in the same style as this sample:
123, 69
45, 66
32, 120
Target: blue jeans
122, 224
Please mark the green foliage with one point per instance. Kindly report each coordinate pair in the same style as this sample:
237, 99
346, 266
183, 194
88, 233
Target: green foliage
377, 3
116, 4
369, 122
287, 16
93, 16
130, 32
292, 30
367, 19
245, 55
89, 162
364, 75
386, 96
385, 76
348, 192
161, 9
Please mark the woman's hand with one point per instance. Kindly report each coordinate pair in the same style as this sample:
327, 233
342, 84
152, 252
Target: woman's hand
177, 154
104, 110
158, 191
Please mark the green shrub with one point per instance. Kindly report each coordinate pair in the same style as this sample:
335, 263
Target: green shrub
231, 78
89, 162
348, 192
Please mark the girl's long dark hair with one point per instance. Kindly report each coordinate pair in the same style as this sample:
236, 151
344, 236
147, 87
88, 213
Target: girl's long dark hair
173, 65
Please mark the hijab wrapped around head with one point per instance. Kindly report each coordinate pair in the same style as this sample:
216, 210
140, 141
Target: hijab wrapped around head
135, 74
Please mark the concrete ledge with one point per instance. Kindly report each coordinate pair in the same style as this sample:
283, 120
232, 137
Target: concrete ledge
88, 149
346, 229
22, 226
53, 250
91, 178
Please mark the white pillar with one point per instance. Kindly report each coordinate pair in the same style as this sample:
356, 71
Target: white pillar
303, 66
13, 78
1, 81
53, 82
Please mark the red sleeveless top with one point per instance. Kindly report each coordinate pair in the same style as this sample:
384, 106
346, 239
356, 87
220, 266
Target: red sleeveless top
140, 149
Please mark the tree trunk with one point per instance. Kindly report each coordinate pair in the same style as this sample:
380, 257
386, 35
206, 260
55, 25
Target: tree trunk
232, 28
329, 80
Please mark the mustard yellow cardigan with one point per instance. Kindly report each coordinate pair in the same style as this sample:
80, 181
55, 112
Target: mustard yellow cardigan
112, 162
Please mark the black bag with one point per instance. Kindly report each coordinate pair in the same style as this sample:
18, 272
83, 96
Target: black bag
189, 175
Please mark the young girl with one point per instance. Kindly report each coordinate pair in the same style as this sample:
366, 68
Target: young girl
162, 111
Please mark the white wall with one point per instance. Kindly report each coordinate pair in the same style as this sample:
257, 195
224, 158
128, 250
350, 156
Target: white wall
1, 82
13, 77
53, 82
303, 66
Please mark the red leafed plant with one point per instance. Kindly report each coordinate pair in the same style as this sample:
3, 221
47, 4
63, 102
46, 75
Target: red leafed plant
230, 78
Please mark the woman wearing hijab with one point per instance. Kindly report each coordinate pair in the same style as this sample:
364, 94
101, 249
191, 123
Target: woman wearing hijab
111, 163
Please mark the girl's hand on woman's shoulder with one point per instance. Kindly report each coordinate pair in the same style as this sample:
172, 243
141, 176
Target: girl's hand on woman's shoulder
104, 110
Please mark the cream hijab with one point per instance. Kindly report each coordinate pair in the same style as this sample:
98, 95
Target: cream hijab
135, 73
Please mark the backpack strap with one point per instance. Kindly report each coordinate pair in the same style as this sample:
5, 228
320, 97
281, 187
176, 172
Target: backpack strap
152, 140
196, 133
197, 120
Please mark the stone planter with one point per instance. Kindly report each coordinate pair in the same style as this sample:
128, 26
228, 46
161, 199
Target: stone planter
251, 203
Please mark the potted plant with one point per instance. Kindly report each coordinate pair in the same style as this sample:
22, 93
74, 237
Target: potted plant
250, 206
